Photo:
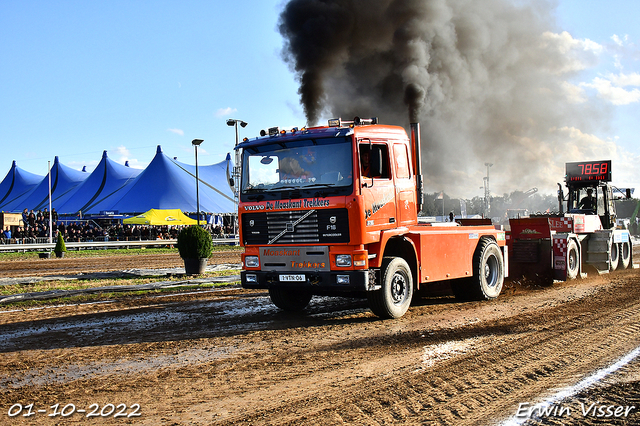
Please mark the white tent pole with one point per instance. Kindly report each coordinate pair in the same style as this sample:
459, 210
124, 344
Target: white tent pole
50, 224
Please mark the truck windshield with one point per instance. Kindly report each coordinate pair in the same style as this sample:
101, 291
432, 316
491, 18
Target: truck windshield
308, 165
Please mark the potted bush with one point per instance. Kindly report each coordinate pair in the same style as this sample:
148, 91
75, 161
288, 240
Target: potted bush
60, 246
195, 247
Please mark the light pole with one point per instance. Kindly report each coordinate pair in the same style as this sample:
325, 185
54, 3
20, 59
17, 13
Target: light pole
487, 190
196, 143
237, 167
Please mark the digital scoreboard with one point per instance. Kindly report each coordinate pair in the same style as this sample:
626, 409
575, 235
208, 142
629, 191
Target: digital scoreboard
589, 171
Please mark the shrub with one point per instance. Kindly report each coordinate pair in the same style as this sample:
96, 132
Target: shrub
60, 245
194, 243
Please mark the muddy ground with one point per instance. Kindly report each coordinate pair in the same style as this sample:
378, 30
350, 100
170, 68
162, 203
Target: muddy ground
229, 357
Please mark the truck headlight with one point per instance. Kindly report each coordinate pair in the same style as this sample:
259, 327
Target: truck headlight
343, 260
342, 279
252, 261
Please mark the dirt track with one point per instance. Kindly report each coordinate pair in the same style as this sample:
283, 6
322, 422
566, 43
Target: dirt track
229, 357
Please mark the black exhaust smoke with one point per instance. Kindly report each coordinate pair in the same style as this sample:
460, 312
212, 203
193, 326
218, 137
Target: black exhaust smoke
485, 78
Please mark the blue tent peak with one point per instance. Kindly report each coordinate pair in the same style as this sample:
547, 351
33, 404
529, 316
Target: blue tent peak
228, 156
159, 150
104, 154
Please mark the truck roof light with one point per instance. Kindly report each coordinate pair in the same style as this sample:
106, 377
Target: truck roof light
273, 131
357, 121
263, 133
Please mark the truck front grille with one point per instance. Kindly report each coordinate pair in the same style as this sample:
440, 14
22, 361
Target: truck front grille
296, 227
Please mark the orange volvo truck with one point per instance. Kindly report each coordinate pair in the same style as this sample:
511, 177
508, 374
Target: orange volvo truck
334, 211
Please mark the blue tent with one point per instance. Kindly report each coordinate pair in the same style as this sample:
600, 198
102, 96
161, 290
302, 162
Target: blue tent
63, 180
17, 183
107, 178
212, 178
169, 184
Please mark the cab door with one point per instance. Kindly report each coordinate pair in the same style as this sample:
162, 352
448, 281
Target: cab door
405, 188
376, 187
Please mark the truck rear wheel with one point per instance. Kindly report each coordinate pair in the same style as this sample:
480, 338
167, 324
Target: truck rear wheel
573, 260
488, 271
625, 255
615, 257
289, 299
394, 298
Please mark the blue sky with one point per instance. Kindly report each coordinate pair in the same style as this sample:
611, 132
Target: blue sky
615, 79
80, 77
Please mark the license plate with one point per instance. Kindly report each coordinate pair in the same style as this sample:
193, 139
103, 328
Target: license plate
292, 277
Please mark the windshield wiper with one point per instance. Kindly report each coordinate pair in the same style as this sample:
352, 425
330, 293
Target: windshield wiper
282, 188
318, 185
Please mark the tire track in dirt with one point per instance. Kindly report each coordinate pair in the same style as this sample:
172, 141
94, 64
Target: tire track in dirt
515, 363
443, 363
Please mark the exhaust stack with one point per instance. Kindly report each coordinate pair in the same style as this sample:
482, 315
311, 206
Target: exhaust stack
417, 165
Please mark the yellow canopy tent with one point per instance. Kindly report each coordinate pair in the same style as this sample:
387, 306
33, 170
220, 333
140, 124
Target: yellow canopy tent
161, 217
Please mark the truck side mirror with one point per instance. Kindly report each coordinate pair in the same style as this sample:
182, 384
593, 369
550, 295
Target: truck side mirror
628, 193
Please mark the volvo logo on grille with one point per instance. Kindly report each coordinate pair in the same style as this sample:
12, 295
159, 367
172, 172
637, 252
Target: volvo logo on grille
332, 219
290, 227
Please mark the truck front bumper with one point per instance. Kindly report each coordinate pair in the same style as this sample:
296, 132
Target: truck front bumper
332, 282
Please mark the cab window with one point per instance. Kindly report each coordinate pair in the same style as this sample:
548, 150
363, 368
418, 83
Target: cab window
374, 160
401, 160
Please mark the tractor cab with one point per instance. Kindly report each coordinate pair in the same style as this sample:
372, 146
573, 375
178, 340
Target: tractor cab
593, 200
589, 191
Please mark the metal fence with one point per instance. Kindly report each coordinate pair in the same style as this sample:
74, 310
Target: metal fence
43, 244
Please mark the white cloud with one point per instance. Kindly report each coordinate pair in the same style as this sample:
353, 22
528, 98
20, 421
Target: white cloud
610, 90
123, 155
619, 41
176, 131
624, 80
565, 43
122, 151
223, 112
580, 54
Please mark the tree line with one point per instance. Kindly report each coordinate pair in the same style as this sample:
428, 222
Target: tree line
498, 206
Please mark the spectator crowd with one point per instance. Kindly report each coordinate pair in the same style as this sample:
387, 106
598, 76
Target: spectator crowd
36, 228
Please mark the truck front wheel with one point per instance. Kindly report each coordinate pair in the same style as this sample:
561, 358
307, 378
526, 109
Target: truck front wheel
488, 271
289, 299
394, 298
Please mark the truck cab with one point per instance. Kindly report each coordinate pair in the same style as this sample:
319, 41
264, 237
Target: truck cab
333, 210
